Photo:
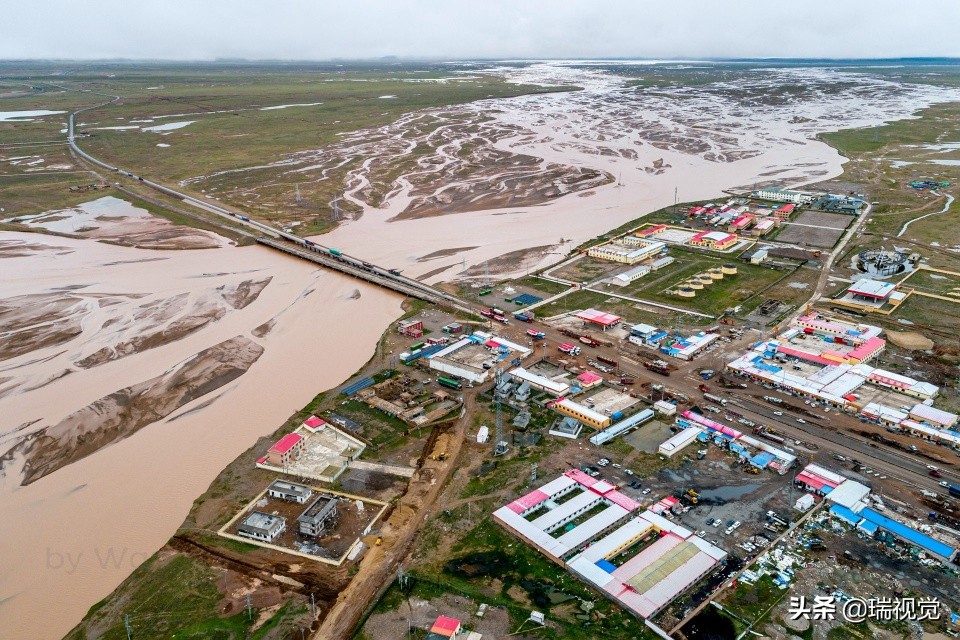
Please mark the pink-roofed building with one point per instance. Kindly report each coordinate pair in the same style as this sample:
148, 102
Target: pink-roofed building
741, 223
589, 379
605, 320
446, 627
286, 450
313, 424
580, 477
528, 501
868, 350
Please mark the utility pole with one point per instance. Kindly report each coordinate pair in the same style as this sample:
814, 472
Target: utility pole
313, 606
500, 445
126, 625
249, 611
298, 198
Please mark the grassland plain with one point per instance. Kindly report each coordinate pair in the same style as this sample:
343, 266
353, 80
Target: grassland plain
241, 116
883, 162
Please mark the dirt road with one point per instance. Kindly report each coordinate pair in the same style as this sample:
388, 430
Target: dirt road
379, 564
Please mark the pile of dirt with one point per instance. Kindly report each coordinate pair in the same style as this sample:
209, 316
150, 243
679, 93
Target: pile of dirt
910, 340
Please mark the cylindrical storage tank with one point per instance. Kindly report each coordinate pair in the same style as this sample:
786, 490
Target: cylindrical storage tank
686, 292
729, 269
716, 274
693, 284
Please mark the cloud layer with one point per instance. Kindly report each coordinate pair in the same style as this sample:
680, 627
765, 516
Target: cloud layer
321, 30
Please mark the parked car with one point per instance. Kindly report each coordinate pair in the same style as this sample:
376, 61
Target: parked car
645, 491
629, 472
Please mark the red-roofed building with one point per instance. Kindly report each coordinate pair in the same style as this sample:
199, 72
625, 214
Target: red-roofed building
651, 231
286, 450
714, 240
445, 627
784, 212
410, 328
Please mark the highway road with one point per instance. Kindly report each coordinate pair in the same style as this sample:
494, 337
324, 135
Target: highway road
876, 456
280, 240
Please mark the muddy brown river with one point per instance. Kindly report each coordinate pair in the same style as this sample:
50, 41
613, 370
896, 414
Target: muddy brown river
70, 537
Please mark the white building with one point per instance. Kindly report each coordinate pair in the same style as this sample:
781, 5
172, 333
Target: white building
784, 195
628, 250
678, 441
553, 387
475, 357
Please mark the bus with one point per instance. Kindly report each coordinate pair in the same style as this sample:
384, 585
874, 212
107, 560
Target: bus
450, 383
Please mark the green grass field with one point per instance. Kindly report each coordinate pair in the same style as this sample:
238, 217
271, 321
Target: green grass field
177, 598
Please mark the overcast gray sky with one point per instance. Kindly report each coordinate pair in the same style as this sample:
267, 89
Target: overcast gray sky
323, 29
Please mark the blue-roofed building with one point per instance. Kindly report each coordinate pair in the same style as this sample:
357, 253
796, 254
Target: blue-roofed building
902, 531
761, 460
739, 449
357, 386
867, 527
845, 514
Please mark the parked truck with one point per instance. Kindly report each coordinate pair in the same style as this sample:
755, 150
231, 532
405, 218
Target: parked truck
569, 348
524, 316
715, 399
658, 366
536, 335
773, 399
769, 434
